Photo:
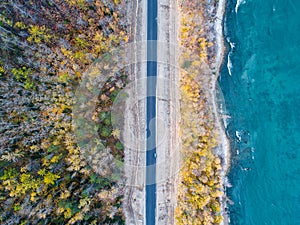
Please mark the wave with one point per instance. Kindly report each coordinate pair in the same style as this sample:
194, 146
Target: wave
238, 136
229, 63
237, 5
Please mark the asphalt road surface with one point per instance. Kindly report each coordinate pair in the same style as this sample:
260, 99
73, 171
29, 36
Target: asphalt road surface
151, 111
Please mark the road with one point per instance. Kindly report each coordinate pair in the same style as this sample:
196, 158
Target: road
151, 111
154, 202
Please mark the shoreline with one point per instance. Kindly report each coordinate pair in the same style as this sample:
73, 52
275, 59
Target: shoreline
218, 63
224, 143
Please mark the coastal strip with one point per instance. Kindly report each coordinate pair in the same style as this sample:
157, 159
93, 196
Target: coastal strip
223, 140
205, 147
215, 64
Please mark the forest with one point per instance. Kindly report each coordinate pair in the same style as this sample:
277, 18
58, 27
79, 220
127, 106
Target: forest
46, 46
200, 189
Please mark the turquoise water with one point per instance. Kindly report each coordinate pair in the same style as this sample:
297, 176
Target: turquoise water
261, 86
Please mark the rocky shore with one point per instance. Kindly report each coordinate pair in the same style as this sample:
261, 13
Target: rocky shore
224, 145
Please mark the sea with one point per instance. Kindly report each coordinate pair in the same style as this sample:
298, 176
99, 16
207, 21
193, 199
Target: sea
260, 82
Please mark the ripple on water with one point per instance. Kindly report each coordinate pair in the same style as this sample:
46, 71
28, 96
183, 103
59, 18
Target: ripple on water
260, 83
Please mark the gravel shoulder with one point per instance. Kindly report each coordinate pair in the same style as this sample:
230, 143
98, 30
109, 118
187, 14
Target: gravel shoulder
134, 118
168, 112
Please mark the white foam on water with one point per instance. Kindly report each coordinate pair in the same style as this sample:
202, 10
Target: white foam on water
226, 120
232, 44
227, 182
238, 4
252, 151
229, 64
238, 135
